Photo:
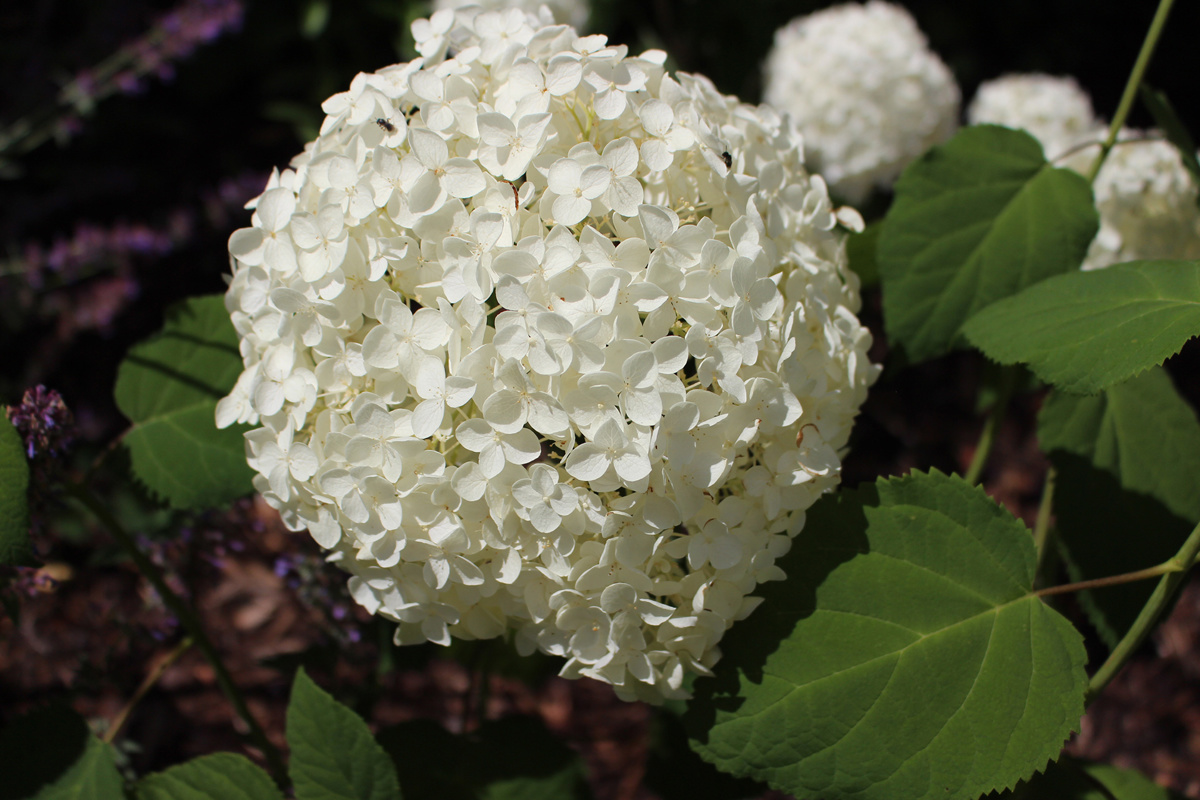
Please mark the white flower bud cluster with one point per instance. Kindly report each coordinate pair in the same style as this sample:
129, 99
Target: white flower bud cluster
541, 339
568, 12
1145, 195
1056, 110
1146, 198
867, 93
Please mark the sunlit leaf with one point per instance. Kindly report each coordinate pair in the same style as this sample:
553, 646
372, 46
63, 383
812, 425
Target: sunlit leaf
334, 756
904, 656
1086, 331
219, 776
168, 386
974, 221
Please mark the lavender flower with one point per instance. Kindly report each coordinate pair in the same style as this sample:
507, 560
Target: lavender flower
44, 422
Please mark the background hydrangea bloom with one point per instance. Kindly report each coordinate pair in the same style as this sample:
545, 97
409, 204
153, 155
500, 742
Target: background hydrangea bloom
1145, 195
1146, 198
867, 93
541, 339
568, 12
1056, 110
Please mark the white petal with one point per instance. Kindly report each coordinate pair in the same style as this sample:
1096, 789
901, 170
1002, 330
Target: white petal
429, 147
586, 462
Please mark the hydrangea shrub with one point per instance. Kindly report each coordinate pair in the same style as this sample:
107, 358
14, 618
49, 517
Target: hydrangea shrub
540, 338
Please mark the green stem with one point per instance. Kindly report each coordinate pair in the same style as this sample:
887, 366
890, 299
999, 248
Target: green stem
147, 684
1131, 87
1175, 571
190, 623
1004, 389
1042, 530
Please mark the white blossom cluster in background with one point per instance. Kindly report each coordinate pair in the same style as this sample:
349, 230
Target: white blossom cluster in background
1145, 195
1056, 110
541, 339
867, 93
1146, 198
564, 12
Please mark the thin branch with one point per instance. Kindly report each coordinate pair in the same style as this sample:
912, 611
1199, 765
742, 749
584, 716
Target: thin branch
1131, 87
190, 623
1175, 571
147, 684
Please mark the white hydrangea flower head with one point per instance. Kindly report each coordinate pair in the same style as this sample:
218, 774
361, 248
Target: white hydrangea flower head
867, 93
541, 340
1146, 198
567, 12
1056, 110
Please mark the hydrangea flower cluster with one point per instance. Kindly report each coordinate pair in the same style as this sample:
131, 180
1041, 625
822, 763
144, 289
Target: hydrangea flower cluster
569, 12
539, 338
1056, 110
1145, 195
1146, 198
867, 93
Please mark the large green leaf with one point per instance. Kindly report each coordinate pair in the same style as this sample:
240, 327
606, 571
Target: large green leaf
976, 220
169, 386
1086, 331
334, 756
904, 656
14, 498
1125, 497
220, 776
49, 754
515, 758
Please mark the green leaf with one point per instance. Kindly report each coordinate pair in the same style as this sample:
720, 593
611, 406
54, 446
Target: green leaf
904, 656
14, 498
976, 220
168, 386
220, 776
1072, 779
1125, 498
334, 756
1086, 331
1170, 124
1126, 784
50, 754
515, 758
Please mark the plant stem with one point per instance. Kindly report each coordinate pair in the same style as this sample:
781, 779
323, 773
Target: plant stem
1131, 87
147, 683
1174, 572
190, 623
1041, 530
1004, 388
1110, 580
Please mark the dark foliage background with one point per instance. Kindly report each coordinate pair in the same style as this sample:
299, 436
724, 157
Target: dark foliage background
126, 209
